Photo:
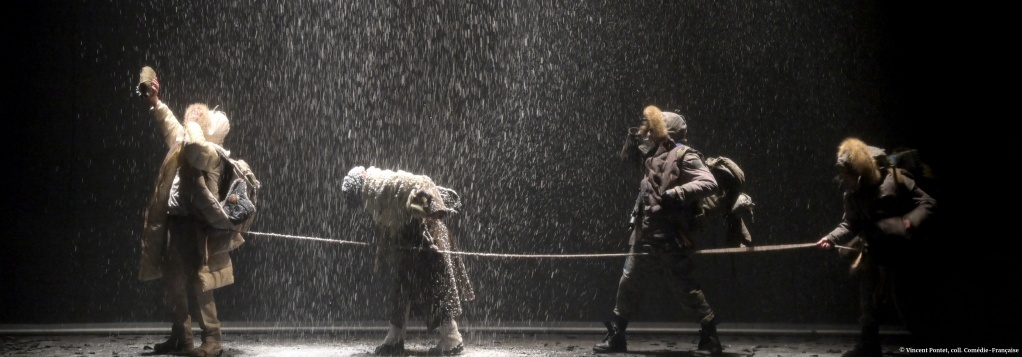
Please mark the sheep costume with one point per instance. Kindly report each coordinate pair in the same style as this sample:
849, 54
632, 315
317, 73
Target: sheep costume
408, 210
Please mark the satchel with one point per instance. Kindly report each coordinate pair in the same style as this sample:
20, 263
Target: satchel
237, 204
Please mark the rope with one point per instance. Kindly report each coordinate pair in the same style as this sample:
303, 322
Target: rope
335, 241
755, 249
604, 255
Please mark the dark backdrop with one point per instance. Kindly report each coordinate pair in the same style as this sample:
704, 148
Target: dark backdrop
520, 106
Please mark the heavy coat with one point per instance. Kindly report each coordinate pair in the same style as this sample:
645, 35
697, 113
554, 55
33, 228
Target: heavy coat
875, 213
198, 165
666, 167
409, 210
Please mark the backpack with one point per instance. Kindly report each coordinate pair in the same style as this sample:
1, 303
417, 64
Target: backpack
238, 198
911, 161
729, 203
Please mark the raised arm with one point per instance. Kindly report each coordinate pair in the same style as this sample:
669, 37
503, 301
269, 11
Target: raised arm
170, 127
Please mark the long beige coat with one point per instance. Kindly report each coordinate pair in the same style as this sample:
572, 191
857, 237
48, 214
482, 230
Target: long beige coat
194, 157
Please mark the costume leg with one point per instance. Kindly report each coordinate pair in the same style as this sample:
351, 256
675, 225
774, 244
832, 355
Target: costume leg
902, 294
629, 295
175, 301
394, 343
398, 324
688, 293
211, 336
175, 296
630, 288
693, 301
868, 285
204, 306
869, 338
209, 323
450, 338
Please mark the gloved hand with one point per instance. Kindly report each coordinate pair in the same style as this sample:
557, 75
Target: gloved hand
674, 194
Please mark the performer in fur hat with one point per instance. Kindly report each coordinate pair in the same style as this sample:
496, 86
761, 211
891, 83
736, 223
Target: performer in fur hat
674, 182
192, 220
883, 207
409, 211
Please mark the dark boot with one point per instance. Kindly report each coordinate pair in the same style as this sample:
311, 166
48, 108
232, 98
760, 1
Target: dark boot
174, 345
179, 343
868, 345
708, 339
615, 340
209, 348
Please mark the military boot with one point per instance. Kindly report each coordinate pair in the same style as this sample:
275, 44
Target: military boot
615, 340
174, 345
708, 339
868, 345
209, 348
180, 342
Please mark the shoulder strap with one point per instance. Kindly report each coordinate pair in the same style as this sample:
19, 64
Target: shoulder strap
676, 152
239, 169
671, 156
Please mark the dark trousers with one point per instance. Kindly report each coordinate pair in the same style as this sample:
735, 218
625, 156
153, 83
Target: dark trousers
669, 263
886, 285
181, 264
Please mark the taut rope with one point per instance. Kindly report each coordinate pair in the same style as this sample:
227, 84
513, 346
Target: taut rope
604, 255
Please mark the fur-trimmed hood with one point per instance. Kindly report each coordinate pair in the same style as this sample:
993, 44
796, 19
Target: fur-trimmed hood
655, 126
214, 123
857, 158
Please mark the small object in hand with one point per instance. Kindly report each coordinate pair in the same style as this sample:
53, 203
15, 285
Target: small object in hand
145, 80
232, 199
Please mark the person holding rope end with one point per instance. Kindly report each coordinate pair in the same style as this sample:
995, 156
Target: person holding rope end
883, 207
409, 212
202, 202
675, 181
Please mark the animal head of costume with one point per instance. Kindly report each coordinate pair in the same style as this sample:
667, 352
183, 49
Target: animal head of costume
214, 123
353, 183
857, 163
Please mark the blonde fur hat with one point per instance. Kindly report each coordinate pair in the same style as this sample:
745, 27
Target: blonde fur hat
654, 125
854, 156
214, 123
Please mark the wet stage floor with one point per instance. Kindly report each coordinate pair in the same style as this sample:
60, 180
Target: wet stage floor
242, 339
